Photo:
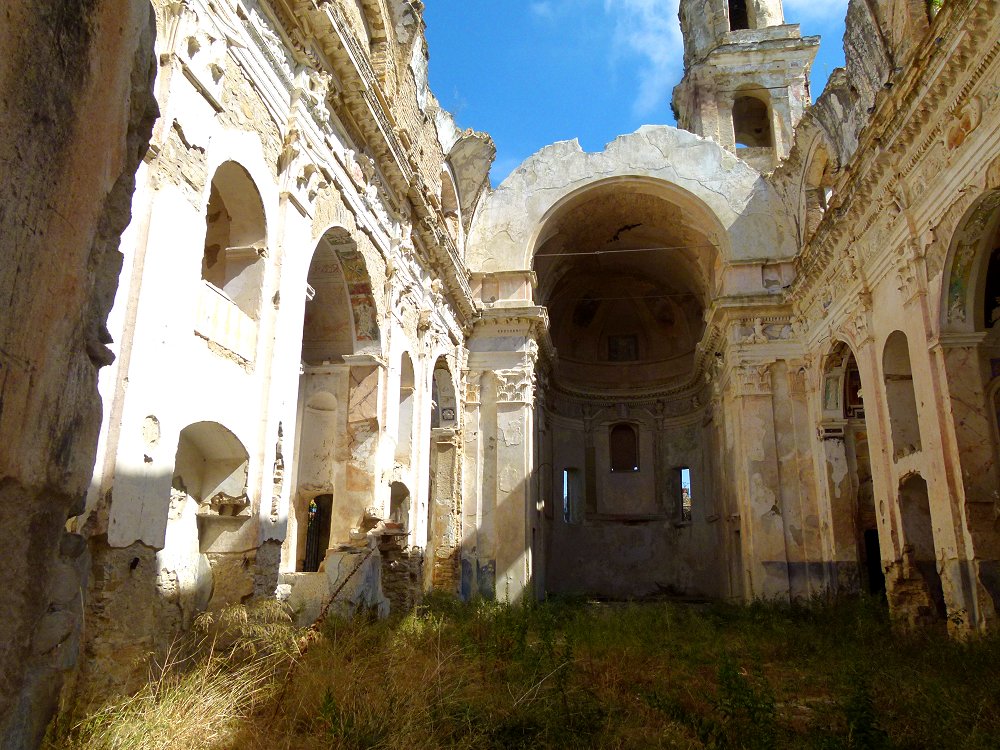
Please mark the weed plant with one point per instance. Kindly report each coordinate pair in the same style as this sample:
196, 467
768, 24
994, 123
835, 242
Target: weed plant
567, 674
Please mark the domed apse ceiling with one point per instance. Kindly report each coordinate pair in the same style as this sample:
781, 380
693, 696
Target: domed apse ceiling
625, 276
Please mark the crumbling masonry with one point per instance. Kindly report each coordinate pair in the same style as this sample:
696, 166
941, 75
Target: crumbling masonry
752, 356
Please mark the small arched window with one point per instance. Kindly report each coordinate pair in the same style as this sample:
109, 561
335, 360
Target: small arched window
624, 447
738, 17
751, 122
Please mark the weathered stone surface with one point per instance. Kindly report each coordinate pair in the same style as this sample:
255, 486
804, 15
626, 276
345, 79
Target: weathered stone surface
77, 109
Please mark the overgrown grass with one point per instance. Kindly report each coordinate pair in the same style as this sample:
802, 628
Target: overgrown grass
569, 674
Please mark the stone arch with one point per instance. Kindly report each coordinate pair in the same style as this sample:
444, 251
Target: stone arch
405, 421
966, 266
444, 395
451, 207
854, 519
714, 185
338, 256
235, 238
817, 185
752, 118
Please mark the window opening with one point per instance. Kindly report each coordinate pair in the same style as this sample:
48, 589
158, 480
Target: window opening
686, 501
991, 311
232, 260
624, 444
854, 403
317, 532
738, 18
751, 123
572, 490
623, 348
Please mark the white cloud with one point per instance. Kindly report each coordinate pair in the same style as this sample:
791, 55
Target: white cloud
649, 29
542, 9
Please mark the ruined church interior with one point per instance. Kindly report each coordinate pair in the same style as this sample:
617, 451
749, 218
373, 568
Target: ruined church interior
273, 334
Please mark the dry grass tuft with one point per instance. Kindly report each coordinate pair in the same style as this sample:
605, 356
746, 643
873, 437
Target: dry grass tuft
829, 676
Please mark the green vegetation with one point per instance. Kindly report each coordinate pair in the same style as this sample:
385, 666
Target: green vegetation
565, 674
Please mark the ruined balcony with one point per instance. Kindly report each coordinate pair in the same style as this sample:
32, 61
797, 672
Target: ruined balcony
221, 321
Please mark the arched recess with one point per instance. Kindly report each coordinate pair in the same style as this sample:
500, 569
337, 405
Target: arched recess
626, 269
854, 511
235, 239
969, 320
399, 505
920, 566
407, 398
337, 425
198, 567
900, 396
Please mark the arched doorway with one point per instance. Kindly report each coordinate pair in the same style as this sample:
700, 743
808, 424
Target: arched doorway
900, 397
919, 556
626, 273
336, 423
969, 353
855, 512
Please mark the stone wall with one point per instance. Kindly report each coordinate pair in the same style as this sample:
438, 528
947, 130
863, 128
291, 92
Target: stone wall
76, 116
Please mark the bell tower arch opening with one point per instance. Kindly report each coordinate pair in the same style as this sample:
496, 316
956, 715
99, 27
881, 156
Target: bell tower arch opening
626, 269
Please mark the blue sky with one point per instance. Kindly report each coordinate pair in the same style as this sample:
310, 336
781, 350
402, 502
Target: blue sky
532, 72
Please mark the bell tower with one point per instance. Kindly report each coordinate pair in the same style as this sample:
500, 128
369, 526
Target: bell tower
746, 76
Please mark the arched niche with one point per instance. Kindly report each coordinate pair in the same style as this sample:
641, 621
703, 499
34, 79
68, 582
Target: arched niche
209, 485
623, 447
965, 304
918, 544
900, 396
341, 317
399, 504
407, 397
626, 274
752, 120
211, 467
235, 238
328, 324
444, 398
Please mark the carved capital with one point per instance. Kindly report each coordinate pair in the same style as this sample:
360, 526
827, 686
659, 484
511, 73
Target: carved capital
516, 385
753, 379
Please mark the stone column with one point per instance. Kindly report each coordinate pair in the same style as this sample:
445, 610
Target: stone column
515, 457
781, 123
472, 457
444, 535
972, 415
765, 561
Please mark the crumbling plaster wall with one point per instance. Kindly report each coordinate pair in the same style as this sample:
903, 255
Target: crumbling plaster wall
907, 124
76, 116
